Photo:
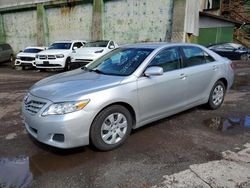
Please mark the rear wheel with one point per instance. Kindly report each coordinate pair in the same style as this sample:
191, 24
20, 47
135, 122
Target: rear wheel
110, 128
244, 57
217, 95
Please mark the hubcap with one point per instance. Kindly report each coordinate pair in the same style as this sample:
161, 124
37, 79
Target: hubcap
114, 128
218, 94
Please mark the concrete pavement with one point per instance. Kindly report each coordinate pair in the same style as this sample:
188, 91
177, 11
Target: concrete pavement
231, 171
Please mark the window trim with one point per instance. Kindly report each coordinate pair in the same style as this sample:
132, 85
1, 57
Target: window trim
185, 58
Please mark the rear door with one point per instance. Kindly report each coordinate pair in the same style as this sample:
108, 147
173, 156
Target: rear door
201, 70
6, 52
165, 94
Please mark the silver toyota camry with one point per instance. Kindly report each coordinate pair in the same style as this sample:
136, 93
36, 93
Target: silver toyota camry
127, 88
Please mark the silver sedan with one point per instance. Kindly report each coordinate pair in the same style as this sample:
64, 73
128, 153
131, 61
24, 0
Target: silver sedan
127, 88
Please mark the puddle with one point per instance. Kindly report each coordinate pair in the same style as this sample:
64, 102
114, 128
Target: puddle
15, 172
224, 124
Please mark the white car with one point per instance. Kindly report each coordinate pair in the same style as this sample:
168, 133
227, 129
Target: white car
58, 55
91, 51
26, 58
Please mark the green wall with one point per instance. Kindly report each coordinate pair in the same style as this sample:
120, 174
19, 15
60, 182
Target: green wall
215, 35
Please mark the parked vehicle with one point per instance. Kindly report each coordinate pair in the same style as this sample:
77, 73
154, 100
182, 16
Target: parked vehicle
91, 51
58, 55
125, 89
232, 51
26, 58
6, 53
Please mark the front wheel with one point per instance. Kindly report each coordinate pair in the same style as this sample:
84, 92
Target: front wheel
67, 66
111, 127
217, 95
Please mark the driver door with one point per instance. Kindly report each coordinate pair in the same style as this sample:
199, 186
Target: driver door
162, 95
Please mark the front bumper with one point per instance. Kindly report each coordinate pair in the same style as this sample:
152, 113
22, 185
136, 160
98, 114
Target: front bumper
19, 62
50, 63
62, 131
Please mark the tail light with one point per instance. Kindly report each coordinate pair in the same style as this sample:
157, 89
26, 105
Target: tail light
232, 65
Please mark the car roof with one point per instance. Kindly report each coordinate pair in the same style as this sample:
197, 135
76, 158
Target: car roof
157, 45
63, 41
36, 47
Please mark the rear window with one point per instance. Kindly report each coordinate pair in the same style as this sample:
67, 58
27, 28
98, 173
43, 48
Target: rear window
97, 44
5, 46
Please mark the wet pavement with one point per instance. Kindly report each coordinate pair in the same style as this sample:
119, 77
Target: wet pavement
164, 147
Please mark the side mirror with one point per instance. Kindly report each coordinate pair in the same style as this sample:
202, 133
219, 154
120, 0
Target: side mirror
20, 51
74, 48
153, 71
111, 47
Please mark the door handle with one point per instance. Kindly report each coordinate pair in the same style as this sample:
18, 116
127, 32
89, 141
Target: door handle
183, 76
215, 67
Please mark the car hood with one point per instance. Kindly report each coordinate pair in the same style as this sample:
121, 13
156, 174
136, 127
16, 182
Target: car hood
53, 52
89, 50
23, 54
72, 85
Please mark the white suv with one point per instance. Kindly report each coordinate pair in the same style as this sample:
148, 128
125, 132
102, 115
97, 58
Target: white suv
58, 55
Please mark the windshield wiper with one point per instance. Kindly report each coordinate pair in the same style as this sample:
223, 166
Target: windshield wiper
92, 70
96, 71
85, 68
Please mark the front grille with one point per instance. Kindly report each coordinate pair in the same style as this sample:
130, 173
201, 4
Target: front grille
49, 65
42, 57
51, 57
33, 106
27, 58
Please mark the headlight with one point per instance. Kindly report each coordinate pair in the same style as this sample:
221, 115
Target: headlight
65, 107
17, 57
60, 56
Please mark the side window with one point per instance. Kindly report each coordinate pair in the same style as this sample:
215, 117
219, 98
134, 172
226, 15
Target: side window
196, 56
228, 47
78, 45
6, 47
169, 59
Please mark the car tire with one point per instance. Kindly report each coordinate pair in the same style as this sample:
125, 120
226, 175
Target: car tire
11, 58
217, 95
110, 128
67, 66
244, 57
42, 70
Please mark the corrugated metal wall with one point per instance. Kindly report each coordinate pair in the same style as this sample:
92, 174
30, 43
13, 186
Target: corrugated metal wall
125, 21
135, 20
20, 29
68, 23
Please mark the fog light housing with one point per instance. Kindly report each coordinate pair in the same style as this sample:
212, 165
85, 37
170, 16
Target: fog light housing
58, 137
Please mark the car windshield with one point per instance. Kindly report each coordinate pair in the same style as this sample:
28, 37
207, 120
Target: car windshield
61, 45
97, 44
236, 46
120, 62
32, 50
